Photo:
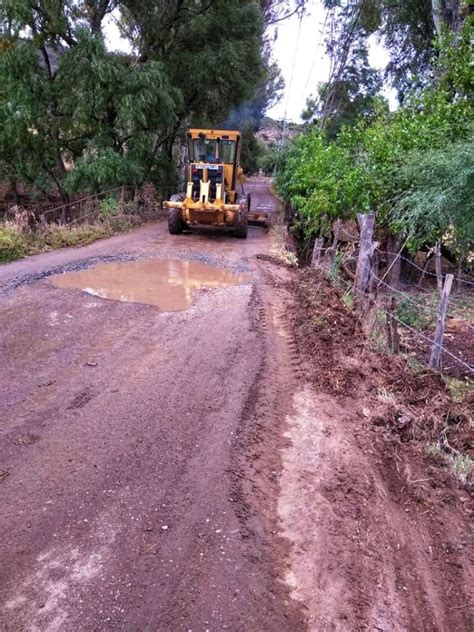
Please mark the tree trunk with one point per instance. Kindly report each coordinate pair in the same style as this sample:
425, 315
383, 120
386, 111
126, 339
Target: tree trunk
317, 250
462, 257
446, 15
365, 259
425, 267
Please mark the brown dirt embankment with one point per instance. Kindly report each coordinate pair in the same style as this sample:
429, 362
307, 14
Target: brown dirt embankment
378, 520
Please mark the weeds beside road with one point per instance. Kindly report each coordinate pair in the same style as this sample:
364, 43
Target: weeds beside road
36, 227
16, 242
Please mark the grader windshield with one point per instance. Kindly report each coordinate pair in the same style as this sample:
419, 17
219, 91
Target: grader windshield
219, 150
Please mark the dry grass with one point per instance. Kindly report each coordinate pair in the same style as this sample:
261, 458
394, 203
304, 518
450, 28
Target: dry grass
16, 242
13, 243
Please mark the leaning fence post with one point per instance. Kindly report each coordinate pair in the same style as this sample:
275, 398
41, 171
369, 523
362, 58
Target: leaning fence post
366, 253
443, 306
316, 256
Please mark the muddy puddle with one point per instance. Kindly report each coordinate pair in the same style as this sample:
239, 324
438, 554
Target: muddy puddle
169, 285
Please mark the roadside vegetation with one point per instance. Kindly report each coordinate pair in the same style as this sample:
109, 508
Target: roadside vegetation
17, 242
414, 167
78, 115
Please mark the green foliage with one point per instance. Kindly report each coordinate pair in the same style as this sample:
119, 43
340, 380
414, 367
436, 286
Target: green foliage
269, 159
349, 97
76, 116
439, 205
413, 168
413, 312
459, 389
12, 243
252, 151
109, 206
322, 182
407, 29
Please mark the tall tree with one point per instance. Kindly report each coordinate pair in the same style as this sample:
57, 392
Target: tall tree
347, 98
66, 101
407, 29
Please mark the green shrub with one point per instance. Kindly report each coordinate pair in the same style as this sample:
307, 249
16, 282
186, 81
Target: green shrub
413, 312
109, 206
13, 244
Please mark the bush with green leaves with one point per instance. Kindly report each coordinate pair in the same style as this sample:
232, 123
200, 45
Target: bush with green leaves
413, 168
415, 313
109, 206
13, 244
439, 204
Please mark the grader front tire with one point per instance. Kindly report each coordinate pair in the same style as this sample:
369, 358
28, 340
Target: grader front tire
241, 222
175, 223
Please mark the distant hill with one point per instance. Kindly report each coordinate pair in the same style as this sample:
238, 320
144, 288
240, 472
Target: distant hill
270, 131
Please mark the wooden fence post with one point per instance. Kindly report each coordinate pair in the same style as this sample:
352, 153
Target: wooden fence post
317, 250
366, 253
394, 247
443, 306
439, 276
393, 337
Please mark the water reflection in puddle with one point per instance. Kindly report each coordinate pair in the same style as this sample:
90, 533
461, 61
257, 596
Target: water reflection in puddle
168, 284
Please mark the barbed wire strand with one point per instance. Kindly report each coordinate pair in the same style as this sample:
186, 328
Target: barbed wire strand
420, 268
342, 230
89, 197
404, 294
417, 333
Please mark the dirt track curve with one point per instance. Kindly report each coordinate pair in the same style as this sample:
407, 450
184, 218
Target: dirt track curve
159, 470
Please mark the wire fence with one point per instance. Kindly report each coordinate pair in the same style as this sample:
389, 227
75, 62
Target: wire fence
426, 272
379, 300
470, 368
143, 201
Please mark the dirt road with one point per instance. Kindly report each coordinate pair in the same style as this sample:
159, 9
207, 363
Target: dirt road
175, 470
122, 430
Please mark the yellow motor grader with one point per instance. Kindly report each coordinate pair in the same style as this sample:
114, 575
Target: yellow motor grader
212, 175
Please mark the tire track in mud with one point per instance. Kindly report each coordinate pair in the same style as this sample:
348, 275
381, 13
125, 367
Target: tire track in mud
256, 461
363, 550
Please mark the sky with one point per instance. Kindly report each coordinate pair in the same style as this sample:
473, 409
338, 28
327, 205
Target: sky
311, 61
303, 43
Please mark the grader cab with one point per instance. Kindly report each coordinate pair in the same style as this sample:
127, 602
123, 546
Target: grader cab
213, 174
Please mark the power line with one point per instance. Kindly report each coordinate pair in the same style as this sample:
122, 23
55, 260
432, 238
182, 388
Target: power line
321, 34
282, 139
291, 79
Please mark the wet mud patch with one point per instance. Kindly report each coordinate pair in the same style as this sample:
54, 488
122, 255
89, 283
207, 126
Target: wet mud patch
81, 399
170, 285
81, 264
25, 439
